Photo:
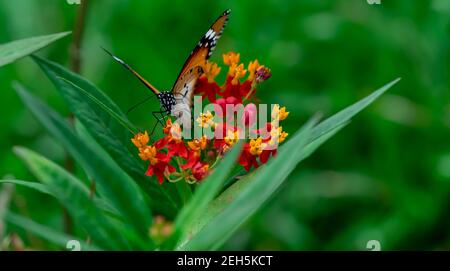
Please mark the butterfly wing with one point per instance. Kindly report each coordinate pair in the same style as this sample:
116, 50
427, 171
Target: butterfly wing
184, 85
183, 98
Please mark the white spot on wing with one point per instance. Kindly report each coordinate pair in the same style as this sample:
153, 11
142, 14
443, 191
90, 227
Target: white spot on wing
210, 34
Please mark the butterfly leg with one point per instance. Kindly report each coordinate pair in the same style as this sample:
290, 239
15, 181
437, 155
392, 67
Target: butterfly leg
162, 115
153, 130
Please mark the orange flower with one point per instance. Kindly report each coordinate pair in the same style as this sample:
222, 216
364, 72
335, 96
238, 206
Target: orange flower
231, 58
148, 153
279, 113
236, 72
252, 68
232, 137
140, 140
256, 146
168, 126
198, 144
210, 71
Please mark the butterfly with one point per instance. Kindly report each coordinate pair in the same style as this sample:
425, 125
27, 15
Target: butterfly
178, 101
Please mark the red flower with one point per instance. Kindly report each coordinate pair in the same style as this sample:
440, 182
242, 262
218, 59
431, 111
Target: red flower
207, 89
177, 148
230, 89
200, 170
245, 89
265, 155
192, 158
160, 167
246, 159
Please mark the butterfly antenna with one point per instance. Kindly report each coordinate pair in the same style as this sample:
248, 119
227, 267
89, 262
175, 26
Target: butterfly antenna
139, 104
142, 79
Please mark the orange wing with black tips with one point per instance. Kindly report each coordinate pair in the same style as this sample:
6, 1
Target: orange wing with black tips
200, 54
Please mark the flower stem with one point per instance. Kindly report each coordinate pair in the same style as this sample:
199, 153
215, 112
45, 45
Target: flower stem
75, 65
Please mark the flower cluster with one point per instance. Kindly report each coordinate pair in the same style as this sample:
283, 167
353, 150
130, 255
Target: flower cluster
173, 158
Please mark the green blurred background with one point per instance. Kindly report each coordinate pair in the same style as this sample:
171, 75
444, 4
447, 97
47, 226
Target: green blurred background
384, 177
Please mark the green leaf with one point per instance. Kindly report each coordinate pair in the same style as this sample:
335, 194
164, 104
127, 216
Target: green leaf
12, 51
75, 196
44, 232
112, 182
43, 189
263, 184
93, 109
33, 185
206, 192
106, 122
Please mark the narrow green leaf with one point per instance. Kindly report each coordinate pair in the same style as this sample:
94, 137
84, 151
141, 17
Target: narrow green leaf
264, 183
33, 185
12, 51
123, 121
105, 123
112, 182
75, 196
43, 189
46, 233
206, 192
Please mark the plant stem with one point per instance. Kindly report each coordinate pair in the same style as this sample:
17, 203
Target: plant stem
6, 192
75, 65
75, 56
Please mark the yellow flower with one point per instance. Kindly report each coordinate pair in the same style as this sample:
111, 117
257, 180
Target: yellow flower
252, 68
257, 146
279, 114
140, 140
148, 153
198, 144
237, 72
277, 135
231, 138
211, 70
205, 120
231, 58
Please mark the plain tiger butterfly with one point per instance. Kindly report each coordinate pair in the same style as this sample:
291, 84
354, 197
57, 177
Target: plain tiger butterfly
178, 102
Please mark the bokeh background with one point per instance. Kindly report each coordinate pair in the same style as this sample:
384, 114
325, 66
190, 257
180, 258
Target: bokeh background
384, 177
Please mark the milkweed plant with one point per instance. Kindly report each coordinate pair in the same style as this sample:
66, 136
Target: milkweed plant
194, 159
164, 190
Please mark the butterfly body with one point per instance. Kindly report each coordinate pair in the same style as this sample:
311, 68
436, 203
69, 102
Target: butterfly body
167, 101
178, 101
